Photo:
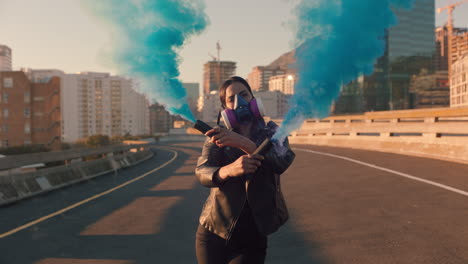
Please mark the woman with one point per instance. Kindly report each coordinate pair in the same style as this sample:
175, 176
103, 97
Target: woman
245, 203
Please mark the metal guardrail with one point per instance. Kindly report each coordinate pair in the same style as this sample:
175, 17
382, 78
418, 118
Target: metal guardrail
16, 161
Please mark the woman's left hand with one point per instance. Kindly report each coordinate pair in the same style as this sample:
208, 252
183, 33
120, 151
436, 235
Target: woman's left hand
227, 138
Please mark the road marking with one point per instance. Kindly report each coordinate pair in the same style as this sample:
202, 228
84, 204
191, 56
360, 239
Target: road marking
42, 219
389, 170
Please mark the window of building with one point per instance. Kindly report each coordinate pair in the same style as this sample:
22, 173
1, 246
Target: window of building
7, 82
27, 112
27, 128
27, 142
5, 97
5, 112
27, 97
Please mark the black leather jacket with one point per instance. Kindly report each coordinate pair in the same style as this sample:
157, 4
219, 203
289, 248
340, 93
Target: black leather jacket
226, 200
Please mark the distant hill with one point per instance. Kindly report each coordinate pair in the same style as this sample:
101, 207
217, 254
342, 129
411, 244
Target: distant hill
284, 62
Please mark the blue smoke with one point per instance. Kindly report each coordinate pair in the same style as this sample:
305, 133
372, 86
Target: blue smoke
146, 38
337, 40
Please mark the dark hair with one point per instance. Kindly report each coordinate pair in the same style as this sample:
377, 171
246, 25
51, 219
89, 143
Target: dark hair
227, 83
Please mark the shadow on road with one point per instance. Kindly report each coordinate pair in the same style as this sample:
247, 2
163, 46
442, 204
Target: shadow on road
120, 238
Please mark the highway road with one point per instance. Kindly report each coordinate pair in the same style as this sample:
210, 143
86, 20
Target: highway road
346, 206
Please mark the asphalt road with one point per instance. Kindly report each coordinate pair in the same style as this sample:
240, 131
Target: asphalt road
346, 206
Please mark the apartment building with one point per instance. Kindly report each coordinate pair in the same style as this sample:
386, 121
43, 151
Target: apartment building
30, 111
459, 82
259, 77
98, 103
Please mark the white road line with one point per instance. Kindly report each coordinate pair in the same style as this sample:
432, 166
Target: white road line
389, 170
42, 219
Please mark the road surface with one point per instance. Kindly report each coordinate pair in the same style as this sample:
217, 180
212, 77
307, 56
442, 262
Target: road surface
346, 206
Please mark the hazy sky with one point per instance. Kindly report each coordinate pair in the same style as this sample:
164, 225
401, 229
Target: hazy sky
58, 34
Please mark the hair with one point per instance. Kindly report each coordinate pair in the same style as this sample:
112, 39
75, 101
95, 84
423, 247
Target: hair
227, 83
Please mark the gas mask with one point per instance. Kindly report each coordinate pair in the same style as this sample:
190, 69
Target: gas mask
243, 112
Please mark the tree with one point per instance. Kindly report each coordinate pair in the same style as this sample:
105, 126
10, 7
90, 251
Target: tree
98, 141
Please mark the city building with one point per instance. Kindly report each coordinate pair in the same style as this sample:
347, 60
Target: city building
459, 82
215, 72
193, 89
193, 92
97, 103
459, 46
259, 77
135, 110
30, 111
275, 103
283, 83
351, 99
5, 58
161, 121
409, 50
430, 90
209, 106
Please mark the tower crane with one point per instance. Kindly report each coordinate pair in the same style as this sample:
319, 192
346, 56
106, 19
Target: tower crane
450, 9
218, 47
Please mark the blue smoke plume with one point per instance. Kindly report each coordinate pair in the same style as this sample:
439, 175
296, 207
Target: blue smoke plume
337, 41
146, 38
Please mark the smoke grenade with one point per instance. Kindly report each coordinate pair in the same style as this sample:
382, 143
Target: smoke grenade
261, 150
203, 127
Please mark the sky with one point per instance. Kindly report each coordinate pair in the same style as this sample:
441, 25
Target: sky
59, 34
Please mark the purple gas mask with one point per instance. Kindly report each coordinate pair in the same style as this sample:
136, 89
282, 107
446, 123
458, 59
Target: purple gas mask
243, 112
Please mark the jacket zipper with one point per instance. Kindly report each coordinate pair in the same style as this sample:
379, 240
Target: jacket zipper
233, 225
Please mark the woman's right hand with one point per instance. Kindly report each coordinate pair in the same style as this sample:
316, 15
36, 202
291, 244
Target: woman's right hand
245, 164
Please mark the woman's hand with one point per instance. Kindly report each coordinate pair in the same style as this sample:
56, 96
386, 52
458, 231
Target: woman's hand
245, 164
227, 138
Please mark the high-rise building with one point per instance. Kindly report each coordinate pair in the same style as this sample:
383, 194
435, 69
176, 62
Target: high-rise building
5, 58
283, 83
430, 90
193, 92
215, 72
410, 46
459, 82
135, 110
98, 103
161, 121
259, 77
29, 111
275, 103
409, 50
459, 46
209, 106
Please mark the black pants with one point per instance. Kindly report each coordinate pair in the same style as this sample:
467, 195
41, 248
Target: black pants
246, 246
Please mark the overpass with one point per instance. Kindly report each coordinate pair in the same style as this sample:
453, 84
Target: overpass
348, 202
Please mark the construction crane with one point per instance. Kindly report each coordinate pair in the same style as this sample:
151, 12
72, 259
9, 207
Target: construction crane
450, 9
213, 57
218, 48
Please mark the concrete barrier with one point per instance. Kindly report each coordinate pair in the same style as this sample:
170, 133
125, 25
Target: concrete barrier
433, 133
16, 187
183, 137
